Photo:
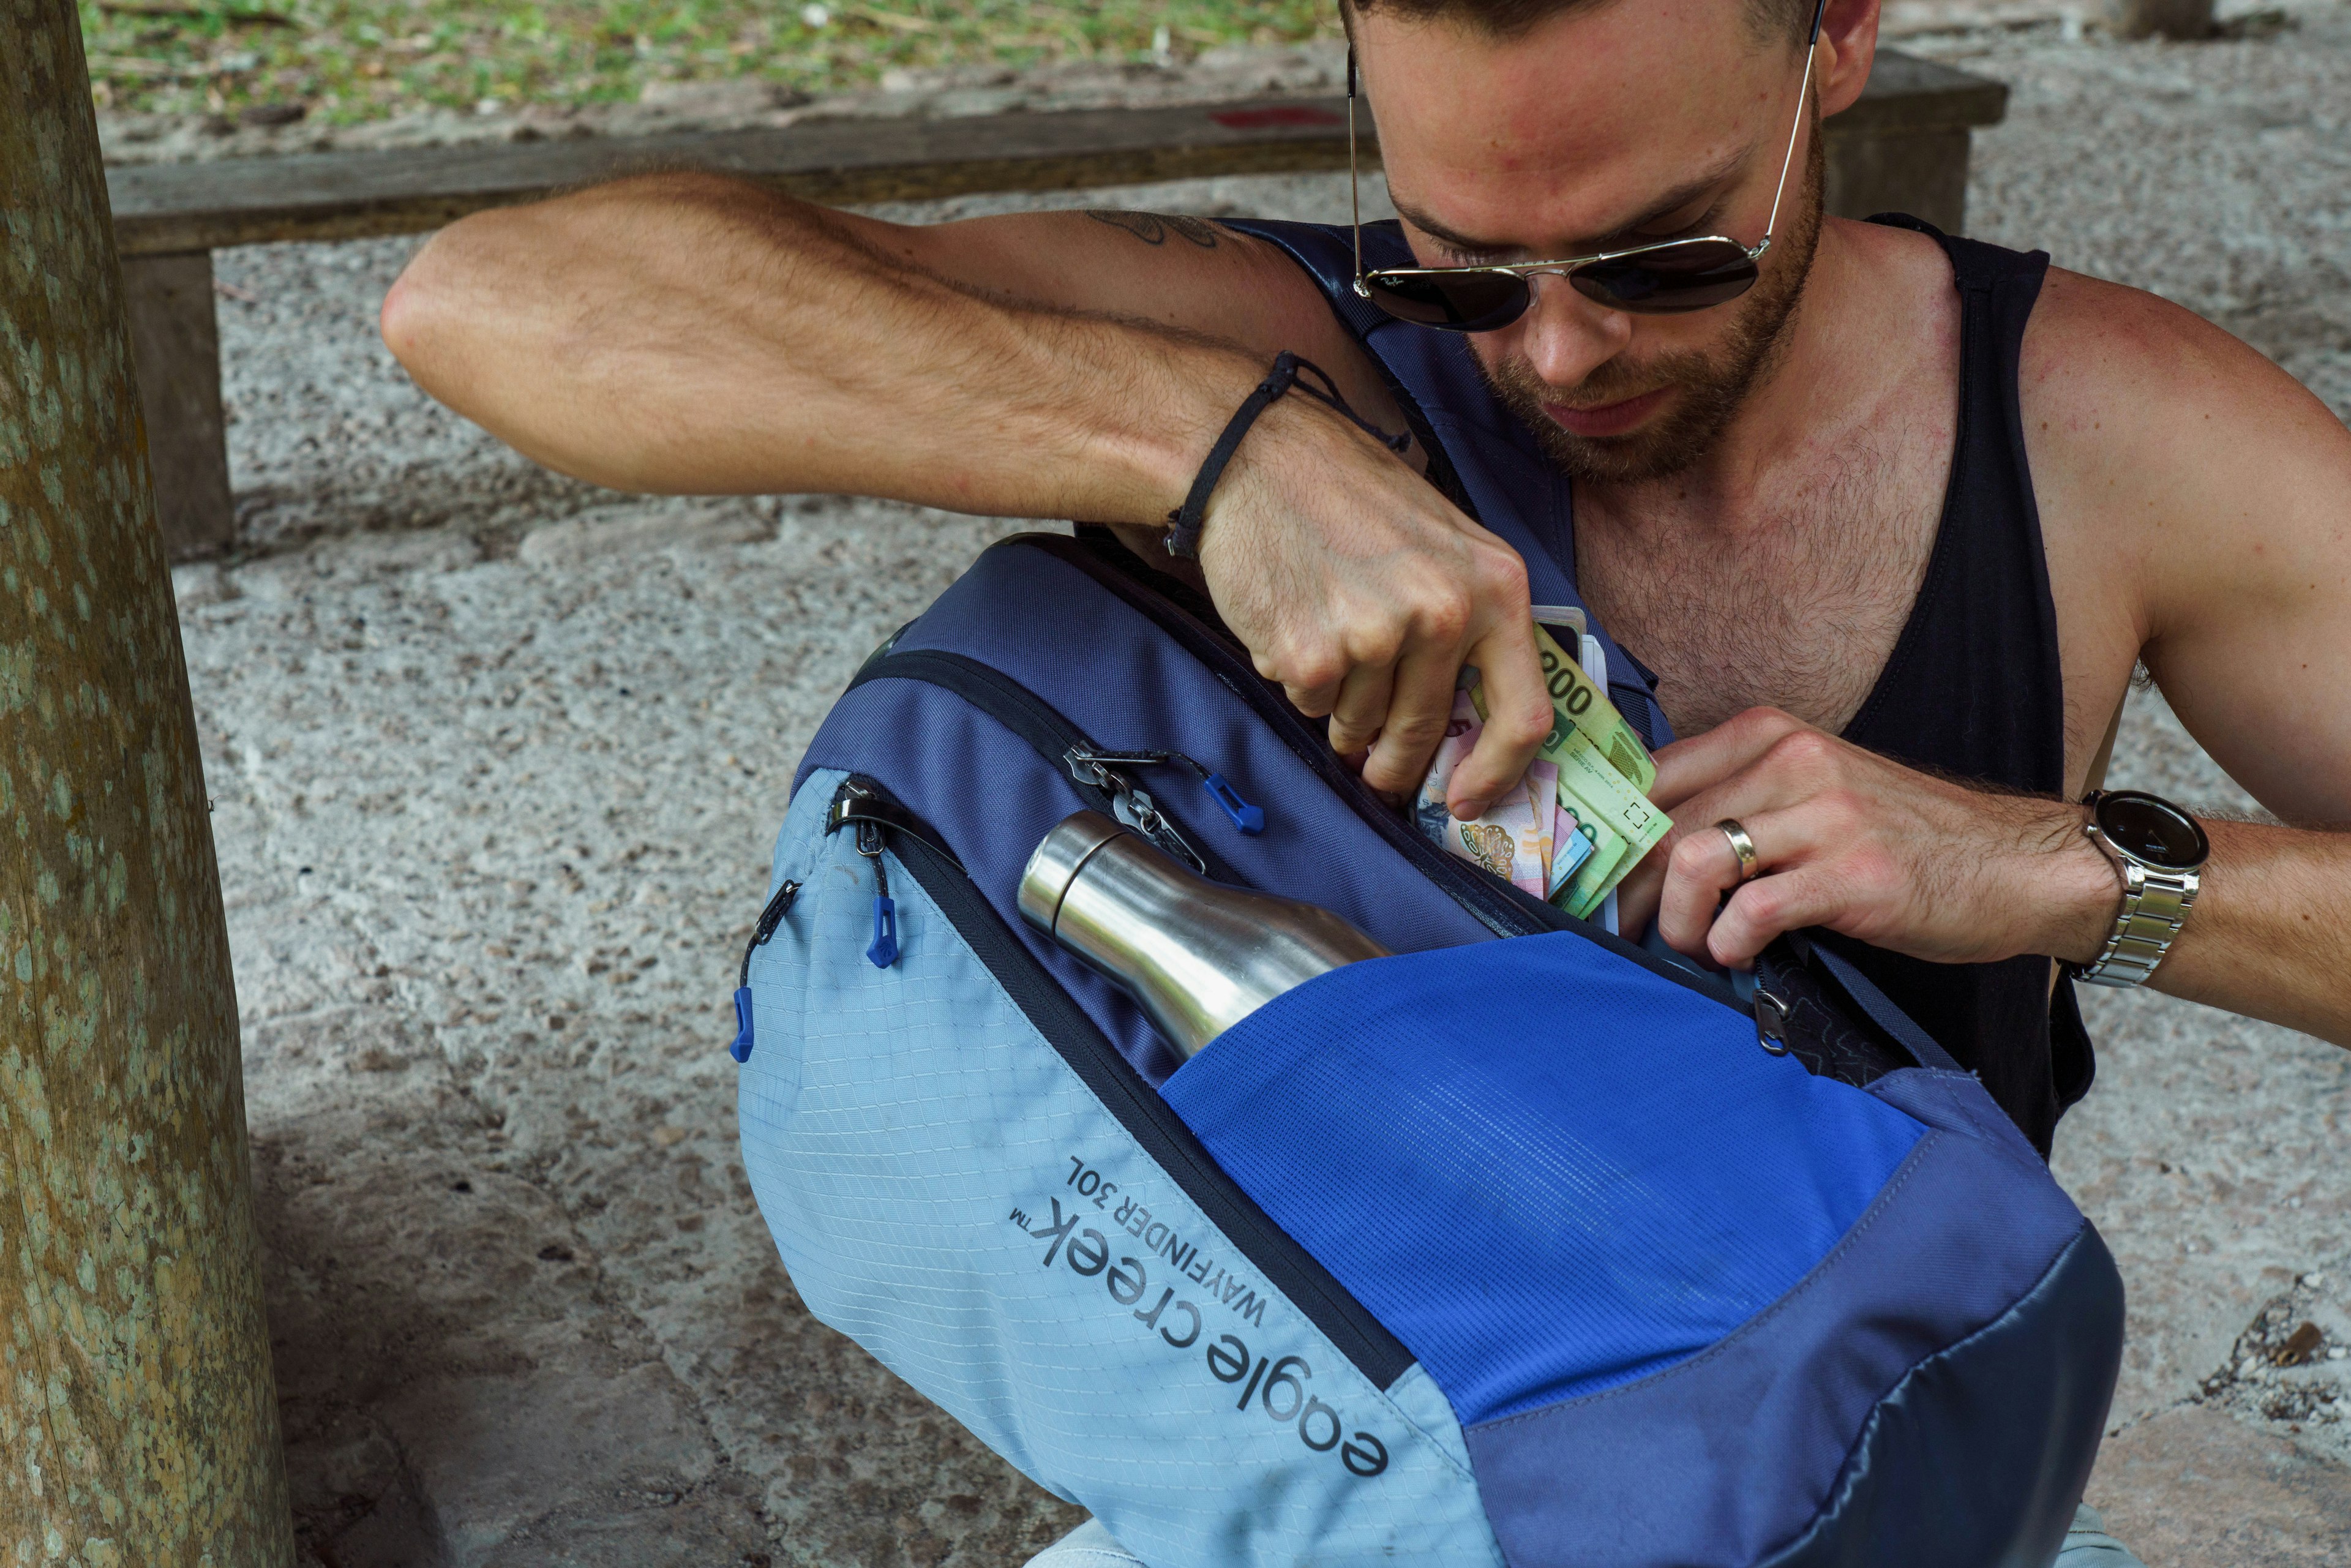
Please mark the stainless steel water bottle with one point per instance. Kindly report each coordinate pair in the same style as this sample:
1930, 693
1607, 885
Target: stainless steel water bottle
1198, 957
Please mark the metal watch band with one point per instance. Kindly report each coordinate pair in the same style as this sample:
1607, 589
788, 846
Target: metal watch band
2155, 905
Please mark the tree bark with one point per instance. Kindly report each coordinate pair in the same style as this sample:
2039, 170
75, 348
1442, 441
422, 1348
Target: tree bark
138, 1423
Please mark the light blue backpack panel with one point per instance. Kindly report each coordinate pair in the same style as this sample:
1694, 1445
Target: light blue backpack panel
947, 1190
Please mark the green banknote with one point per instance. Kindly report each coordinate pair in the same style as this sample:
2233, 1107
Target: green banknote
1600, 797
1577, 703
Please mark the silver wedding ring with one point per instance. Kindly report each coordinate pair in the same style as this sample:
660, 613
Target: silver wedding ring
1740, 845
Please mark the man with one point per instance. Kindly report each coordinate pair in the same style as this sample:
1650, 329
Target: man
1892, 520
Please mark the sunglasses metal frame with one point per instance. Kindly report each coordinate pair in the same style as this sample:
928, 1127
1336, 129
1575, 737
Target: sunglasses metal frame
1528, 270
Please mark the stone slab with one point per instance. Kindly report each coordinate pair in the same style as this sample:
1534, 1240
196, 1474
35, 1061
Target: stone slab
2194, 1488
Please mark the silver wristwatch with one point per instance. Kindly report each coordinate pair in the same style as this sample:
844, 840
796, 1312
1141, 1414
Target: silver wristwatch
2160, 850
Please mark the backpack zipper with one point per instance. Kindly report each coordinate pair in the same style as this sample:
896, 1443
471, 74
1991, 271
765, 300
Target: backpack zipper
1499, 906
1502, 908
769, 918
1100, 775
1148, 1118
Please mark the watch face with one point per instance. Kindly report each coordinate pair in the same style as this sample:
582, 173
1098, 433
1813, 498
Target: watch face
2152, 830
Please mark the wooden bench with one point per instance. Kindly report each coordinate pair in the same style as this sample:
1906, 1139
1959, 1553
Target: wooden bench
1904, 145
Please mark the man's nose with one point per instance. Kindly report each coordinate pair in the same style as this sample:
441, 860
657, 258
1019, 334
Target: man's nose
1565, 336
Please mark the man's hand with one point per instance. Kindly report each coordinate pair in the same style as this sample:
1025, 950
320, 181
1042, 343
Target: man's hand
1847, 840
1361, 589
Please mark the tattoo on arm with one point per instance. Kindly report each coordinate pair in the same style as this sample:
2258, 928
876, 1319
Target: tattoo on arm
1152, 228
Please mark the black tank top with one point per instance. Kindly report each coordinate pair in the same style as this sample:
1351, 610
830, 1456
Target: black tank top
1974, 689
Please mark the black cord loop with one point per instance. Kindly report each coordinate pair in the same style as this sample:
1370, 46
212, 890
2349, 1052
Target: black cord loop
1185, 522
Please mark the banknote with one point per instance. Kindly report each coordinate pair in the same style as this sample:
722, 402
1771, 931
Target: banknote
1572, 845
1513, 838
1576, 703
1604, 799
1601, 821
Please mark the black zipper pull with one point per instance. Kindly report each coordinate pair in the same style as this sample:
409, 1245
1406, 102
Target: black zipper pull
883, 950
1130, 805
769, 918
1771, 1022
1248, 819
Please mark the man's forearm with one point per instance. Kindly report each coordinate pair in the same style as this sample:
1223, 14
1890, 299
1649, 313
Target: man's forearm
690, 334
2270, 935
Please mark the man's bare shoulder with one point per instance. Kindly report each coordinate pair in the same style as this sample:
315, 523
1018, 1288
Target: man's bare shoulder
2196, 507
2113, 376
2163, 427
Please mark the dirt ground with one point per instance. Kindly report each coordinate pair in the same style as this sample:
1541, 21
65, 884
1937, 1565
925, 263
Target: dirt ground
497, 758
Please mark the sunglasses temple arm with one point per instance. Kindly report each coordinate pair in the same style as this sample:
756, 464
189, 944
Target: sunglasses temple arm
1355, 181
1771, 224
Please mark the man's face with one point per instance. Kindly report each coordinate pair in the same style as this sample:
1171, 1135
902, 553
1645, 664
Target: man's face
1642, 121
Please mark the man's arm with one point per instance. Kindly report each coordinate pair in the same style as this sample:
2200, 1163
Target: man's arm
2233, 507
2196, 503
692, 333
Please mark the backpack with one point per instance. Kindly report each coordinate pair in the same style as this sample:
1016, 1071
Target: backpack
1543, 1250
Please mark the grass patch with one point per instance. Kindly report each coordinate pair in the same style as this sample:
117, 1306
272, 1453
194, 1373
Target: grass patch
347, 60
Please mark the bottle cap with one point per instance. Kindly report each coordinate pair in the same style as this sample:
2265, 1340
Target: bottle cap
1056, 861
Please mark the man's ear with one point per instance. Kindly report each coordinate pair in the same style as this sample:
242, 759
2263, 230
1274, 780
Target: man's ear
1849, 28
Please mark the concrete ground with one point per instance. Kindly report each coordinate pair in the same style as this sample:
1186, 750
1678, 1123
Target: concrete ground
496, 760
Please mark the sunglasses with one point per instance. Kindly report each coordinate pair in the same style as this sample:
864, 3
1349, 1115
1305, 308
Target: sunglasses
1661, 279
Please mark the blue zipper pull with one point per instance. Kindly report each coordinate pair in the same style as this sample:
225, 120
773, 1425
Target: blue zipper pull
1248, 819
740, 1047
884, 951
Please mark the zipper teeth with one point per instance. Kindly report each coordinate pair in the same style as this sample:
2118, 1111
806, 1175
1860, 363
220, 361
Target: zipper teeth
924, 665
1343, 1320
762, 933
957, 674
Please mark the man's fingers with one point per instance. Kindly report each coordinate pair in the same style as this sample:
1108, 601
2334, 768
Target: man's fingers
1361, 712
1699, 763
1518, 719
1315, 701
1419, 706
1703, 866
1767, 906
1782, 775
1697, 872
1638, 896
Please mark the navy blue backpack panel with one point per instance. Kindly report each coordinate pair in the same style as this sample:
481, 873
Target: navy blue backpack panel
971, 708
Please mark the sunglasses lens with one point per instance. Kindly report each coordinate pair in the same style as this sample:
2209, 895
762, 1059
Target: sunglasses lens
1676, 277
1457, 302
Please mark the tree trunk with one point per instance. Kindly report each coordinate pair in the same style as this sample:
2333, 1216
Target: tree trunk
138, 1424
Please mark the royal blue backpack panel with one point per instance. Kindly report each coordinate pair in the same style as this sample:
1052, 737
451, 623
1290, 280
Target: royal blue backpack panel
1565, 1117
1536, 1252
1631, 1336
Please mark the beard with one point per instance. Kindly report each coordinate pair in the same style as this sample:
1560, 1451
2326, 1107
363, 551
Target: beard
1708, 385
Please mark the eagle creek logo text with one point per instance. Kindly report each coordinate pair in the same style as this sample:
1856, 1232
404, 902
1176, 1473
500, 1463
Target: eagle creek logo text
1277, 1387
